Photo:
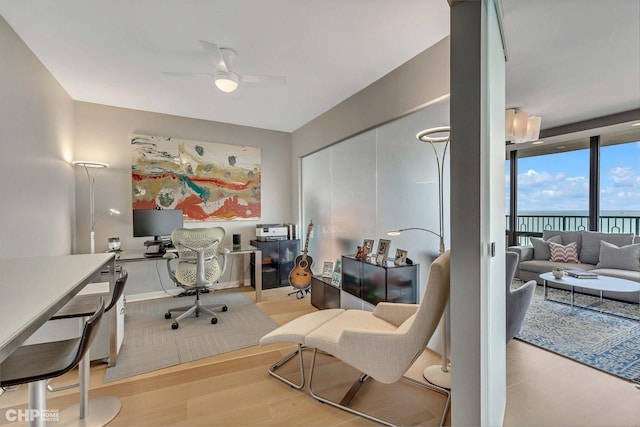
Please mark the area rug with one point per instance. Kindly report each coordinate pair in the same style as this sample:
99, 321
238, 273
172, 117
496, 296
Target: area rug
150, 343
600, 340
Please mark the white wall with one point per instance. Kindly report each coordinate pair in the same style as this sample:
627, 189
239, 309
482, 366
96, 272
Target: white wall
102, 133
477, 196
36, 179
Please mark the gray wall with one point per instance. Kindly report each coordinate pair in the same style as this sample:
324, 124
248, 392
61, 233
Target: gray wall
36, 179
419, 82
102, 133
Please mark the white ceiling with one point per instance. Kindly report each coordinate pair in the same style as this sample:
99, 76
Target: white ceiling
569, 60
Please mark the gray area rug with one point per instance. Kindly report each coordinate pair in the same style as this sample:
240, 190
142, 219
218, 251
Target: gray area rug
150, 343
600, 340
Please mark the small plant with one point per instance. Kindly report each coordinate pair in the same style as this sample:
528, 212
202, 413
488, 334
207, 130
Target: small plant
558, 272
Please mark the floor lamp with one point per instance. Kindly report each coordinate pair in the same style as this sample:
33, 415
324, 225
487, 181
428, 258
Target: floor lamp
439, 375
91, 168
97, 411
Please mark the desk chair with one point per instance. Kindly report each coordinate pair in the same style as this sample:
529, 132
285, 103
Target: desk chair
381, 344
198, 268
101, 410
37, 363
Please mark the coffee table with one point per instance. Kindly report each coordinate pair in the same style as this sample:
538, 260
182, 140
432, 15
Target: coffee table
601, 283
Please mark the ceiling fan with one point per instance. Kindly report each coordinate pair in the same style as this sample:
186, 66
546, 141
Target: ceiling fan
224, 78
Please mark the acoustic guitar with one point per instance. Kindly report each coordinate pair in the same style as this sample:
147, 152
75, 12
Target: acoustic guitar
300, 275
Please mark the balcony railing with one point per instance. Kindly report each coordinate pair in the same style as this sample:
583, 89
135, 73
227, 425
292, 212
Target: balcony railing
534, 225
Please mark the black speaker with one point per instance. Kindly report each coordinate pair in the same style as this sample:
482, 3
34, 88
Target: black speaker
236, 241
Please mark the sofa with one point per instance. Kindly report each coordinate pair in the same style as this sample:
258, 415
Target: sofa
608, 254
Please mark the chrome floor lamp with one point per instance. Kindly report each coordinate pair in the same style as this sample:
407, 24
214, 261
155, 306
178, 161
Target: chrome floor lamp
90, 167
439, 375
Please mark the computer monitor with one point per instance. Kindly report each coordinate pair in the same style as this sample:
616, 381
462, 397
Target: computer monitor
158, 223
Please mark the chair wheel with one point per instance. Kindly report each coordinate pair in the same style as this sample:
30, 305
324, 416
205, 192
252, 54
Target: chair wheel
225, 308
214, 320
167, 315
174, 325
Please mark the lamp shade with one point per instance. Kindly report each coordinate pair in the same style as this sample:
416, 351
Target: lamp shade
226, 82
520, 127
89, 164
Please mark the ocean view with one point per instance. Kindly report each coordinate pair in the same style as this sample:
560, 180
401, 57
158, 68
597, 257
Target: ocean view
618, 213
569, 220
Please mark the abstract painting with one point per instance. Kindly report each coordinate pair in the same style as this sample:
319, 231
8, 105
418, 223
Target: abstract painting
208, 181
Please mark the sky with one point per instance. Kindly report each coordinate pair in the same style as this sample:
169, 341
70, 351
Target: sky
560, 182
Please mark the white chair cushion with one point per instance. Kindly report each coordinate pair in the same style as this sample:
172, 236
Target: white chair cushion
296, 330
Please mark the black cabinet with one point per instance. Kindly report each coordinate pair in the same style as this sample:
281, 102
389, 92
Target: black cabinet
323, 293
278, 258
374, 283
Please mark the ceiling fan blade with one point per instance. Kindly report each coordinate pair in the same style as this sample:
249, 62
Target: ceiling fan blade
176, 74
278, 80
213, 51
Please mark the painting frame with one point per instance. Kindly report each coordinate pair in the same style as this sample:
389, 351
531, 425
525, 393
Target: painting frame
208, 181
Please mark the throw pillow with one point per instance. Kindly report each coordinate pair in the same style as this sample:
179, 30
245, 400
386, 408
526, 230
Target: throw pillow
590, 251
621, 258
562, 253
566, 236
541, 247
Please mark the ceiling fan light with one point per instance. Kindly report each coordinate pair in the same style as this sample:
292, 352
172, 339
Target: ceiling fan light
227, 82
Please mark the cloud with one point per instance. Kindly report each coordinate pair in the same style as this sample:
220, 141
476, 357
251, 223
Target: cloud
623, 176
542, 190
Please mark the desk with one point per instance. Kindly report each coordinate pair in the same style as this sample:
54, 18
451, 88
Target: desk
131, 256
34, 289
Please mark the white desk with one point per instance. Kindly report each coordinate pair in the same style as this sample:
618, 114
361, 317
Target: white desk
34, 289
130, 256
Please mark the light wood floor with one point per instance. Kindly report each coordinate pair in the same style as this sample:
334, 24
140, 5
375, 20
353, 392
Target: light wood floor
234, 389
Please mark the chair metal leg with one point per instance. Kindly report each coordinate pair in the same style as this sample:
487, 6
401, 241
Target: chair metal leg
356, 386
37, 403
285, 359
187, 313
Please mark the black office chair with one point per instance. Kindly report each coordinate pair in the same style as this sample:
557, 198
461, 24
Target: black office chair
36, 364
96, 410
85, 306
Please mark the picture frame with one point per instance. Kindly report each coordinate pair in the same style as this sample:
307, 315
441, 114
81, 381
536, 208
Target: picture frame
383, 251
401, 257
337, 273
327, 269
368, 245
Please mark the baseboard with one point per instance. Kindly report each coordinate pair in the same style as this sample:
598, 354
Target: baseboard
175, 291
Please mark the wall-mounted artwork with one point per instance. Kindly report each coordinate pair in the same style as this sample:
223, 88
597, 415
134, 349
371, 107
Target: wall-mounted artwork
208, 181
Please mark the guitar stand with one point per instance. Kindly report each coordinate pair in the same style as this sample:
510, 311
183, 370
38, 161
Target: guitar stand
300, 293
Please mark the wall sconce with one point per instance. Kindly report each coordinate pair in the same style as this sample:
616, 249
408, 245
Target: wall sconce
520, 127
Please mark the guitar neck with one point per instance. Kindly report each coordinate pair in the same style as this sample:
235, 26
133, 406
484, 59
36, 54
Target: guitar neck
306, 241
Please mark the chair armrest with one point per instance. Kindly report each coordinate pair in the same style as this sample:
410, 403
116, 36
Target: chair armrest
170, 256
395, 313
223, 254
525, 252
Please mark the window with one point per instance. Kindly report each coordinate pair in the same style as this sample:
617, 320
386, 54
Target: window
620, 188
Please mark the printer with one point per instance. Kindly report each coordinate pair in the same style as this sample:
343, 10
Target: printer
266, 232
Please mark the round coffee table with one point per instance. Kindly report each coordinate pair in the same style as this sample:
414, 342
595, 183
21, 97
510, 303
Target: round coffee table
601, 283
